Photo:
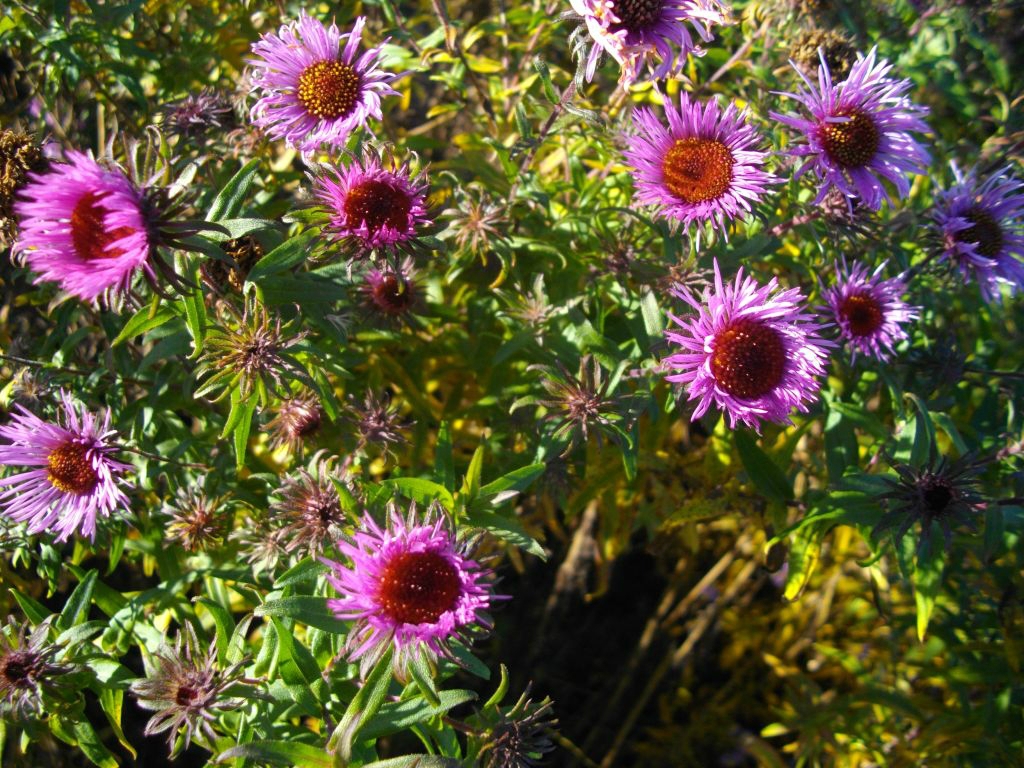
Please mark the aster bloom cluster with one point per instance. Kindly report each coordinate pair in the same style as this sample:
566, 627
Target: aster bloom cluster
982, 226
651, 32
84, 227
70, 477
410, 585
751, 350
859, 131
869, 310
704, 166
315, 89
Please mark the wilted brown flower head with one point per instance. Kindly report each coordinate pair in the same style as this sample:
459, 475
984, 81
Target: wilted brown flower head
26, 668
262, 542
390, 293
19, 156
251, 351
310, 508
376, 421
476, 223
942, 491
186, 690
196, 519
295, 420
245, 251
839, 51
198, 114
520, 736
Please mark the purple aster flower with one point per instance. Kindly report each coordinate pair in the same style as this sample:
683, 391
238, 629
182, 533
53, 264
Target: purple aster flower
634, 32
315, 90
859, 131
869, 310
409, 585
753, 354
982, 223
370, 205
72, 475
84, 227
702, 166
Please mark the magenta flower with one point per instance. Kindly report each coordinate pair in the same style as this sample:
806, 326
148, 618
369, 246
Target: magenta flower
315, 90
869, 310
72, 478
409, 585
84, 227
372, 206
753, 354
634, 32
701, 167
982, 224
859, 131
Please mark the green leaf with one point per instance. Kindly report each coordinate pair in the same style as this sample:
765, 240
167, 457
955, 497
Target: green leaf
78, 603
242, 432
288, 254
927, 580
416, 761
364, 705
924, 432
421, 491
399, 716
516, 480
222, 621
764, 473
112, 701
444, 460
290, 753
804, 552
228, 202
33, 609
146, 319
310, 610
471, 482
424, 677
507, 529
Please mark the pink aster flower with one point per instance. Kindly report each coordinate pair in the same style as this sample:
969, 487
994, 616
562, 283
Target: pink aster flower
749, 350
409, 585
84, 227
702, 166
72, 473
634, 32
982, 224
315, 91
869, 310
859, 131
372, 206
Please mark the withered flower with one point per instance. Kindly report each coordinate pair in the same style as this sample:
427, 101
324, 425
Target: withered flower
295, 420
197, 520
310, 508
186, 690
377, 422
26, 668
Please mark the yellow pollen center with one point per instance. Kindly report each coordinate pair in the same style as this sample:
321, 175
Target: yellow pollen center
852, 143
70, 471
329, 89
698, 170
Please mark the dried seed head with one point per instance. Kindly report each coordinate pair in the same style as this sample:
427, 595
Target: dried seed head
309, 506
245, 251
377, 422
26, 668
198, 114
197, 521
296, 420
520, 736
838, 50
19, 156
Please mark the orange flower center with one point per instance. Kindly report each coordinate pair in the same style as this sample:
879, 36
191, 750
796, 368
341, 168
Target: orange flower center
748, 359
984, 231
89, 235
329, 89
698, 170
70, 470
417, 587
853, 143
862, 313
376, 204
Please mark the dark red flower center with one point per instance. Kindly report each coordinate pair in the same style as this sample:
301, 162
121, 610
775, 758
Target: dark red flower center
984, 231
862, 312
698, 170
637, 15
69, 469
937, 494
417, 587
18, 668
329, 89
89, 234
852, 143
748, 359
185, 695
392, 294
376, 203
